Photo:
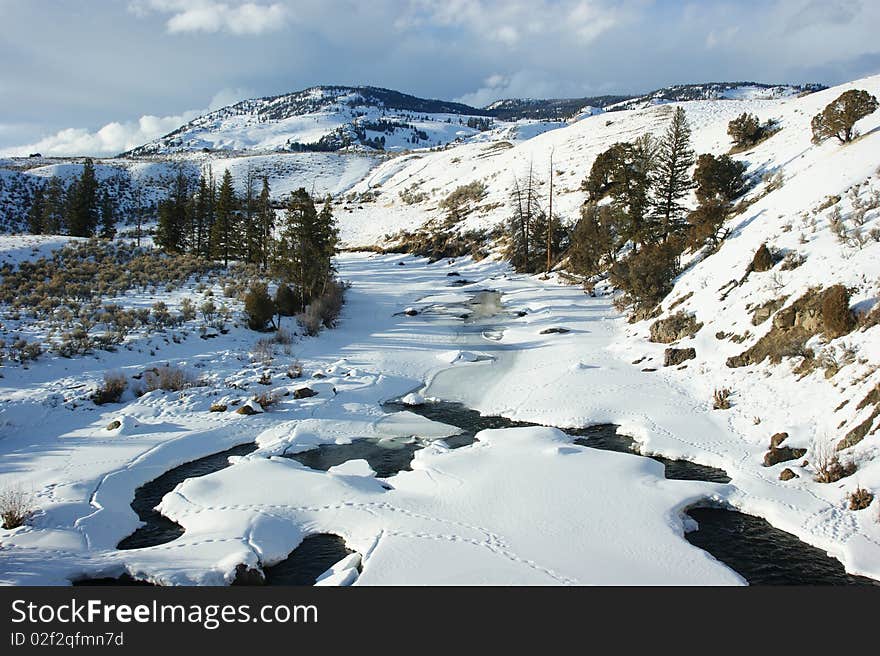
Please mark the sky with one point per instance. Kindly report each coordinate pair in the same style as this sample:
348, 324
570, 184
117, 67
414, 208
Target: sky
98, 77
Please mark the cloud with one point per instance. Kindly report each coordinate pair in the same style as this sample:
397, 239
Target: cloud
517, 22
117, 137
241, 18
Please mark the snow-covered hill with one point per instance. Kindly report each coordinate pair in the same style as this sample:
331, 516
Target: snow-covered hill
324, 119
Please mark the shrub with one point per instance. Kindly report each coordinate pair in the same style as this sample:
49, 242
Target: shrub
263, 351
287, 304
112, 389
187, 309
460, 196
860, 498
719, 178
324, 310
15, 507
295, 370
840, 116
258, 306
745, 130
646, 276
168, 378
267, 399
829, 468
721, 399
837, 318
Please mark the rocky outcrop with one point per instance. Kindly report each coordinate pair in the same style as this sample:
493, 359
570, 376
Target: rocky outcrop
673, 328
782, 454
304, 393
675, 356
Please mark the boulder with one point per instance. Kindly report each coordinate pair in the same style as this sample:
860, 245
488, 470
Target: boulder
245, 575
782, 454
786, 475
113, 425
675, 356
554, 331
671, 329
218, 407
304, 393
777, 439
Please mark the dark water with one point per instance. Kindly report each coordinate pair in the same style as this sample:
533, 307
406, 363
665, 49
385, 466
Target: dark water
124, 580
314, 556
760, 553
764, 555
602, 436
386, 457
158, 529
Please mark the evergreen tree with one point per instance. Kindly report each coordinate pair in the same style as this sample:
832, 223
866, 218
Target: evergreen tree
265, 218
108, 216
222, 231
327, 238
593, 240
672, 182
53, 206
840, 116
172, 228
301, 257
83, 208
36, 211
203, 216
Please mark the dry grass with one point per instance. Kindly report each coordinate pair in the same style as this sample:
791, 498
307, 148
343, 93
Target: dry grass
111, 391
267, 399
168, 378
860, 498
16, 505
829, 468
721, 399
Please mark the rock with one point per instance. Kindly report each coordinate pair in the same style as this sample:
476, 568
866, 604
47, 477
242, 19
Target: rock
318, 375
763, 260
786, 475
247, 410
675, 356
777, 439
304, 393
521, 313
674, 328
245, 575
401, 264
218, 407
782, 454
410, 312
113, 425
554, 331
453, 273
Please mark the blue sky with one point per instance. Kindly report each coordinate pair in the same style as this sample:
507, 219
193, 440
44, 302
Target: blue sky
97, 76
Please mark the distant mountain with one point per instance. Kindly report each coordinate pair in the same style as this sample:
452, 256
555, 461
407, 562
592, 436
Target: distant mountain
341, 118
716, 91
325, 118
515, 109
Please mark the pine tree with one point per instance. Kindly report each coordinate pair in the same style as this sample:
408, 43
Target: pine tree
250, 228
222, 230
672, 182
265, 219
36, 211
53, 206
300, 258
83, 210
108, 216
172, 229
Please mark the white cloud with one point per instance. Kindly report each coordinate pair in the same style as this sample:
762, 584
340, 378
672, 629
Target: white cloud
507, 21
117, 137
240, 18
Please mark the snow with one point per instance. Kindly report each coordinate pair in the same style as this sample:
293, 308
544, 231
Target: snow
521, 506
